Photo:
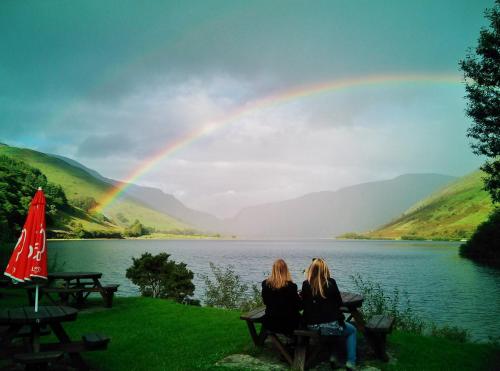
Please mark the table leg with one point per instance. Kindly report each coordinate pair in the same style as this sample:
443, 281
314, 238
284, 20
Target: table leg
77, 359
258, 339
359, 320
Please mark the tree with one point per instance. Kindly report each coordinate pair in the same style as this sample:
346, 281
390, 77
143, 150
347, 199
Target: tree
159, 277
135, 230
481, 69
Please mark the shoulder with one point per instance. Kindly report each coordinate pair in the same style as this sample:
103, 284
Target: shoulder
292, 285
264, 284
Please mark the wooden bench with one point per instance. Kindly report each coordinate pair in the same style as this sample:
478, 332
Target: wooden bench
64, 294
37, 361
107, 292
377, 328
95, 341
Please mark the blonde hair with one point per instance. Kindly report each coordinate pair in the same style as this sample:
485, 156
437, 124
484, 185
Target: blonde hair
317, 276
280, 275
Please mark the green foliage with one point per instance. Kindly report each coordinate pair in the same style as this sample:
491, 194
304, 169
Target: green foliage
484, 246
482, 75
397, 305
135, 230
353, 236
227, 290
86, 203
159, 277
450, 332
18, 184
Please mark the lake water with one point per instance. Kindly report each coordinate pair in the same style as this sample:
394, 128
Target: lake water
441, 285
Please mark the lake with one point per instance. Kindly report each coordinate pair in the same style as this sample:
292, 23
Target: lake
441, 285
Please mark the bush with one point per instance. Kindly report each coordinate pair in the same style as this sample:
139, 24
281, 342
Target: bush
377, 302
227, 290
450, 332
159, 277
136, 230
484, 245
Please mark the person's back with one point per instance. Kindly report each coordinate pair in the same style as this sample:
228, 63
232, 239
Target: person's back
318, 309
322, 301
279, 294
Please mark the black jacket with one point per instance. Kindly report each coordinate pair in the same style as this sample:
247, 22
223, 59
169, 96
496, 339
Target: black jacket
322, 310
282, 307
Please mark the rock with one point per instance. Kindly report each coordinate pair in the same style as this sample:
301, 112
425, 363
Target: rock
246, 362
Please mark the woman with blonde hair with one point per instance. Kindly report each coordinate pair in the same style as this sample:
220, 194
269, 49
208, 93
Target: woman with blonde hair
322, 301
283, 304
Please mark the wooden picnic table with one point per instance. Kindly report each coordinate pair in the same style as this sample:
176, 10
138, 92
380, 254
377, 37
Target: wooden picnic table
374, 331
78, 285
351, 303
34, 351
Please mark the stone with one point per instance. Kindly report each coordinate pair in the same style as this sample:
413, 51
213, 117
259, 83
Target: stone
247, 362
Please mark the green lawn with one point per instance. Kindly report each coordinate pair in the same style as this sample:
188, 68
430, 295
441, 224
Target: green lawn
153, 334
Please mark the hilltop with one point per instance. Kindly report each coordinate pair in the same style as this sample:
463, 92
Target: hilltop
80, 186
452, 212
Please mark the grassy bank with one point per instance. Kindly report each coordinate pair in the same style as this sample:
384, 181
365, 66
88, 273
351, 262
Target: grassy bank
153, 334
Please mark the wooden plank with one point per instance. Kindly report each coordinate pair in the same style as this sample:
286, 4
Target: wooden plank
256, 313
380, 323
307, 333
278, 344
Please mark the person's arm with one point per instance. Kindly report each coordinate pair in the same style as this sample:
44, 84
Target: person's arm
336, 293
265, 293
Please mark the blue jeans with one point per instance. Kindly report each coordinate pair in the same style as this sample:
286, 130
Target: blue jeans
350, 333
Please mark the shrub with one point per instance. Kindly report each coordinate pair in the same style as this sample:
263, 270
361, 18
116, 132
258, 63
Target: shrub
227, 290
397, 305
450, 332
159, 277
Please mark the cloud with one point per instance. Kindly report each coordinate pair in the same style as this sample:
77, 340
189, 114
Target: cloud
104, 146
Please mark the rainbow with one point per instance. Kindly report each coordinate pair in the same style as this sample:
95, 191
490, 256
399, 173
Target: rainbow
266, 102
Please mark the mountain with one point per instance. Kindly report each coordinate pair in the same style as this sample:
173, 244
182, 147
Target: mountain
160, 201
78, 183
330, 213
453, 212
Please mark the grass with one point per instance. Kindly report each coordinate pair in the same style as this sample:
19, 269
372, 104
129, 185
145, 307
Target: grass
453, 212
155, 334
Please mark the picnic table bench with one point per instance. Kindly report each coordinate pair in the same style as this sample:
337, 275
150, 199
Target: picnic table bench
34, 354
77, 286
375, 331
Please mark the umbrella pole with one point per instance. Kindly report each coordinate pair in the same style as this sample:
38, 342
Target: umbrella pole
36, 298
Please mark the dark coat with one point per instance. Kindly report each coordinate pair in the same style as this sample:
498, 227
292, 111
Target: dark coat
282, 308
322, 310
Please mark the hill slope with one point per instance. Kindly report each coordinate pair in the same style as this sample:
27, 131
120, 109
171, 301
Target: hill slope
158, 200
78, 183
327, 214
453, 211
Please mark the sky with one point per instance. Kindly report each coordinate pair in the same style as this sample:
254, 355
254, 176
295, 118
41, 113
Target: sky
111, 83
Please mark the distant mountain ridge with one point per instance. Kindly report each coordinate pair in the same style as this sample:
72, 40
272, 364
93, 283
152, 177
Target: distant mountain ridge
324, 214
452, 212
330, 213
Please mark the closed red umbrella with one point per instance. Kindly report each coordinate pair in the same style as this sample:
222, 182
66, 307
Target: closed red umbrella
29, 258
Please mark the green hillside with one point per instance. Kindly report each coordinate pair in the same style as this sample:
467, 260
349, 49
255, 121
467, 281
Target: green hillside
453, 212
78, 184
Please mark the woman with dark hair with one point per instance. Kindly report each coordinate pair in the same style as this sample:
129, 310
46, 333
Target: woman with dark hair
322, 301
279, 294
